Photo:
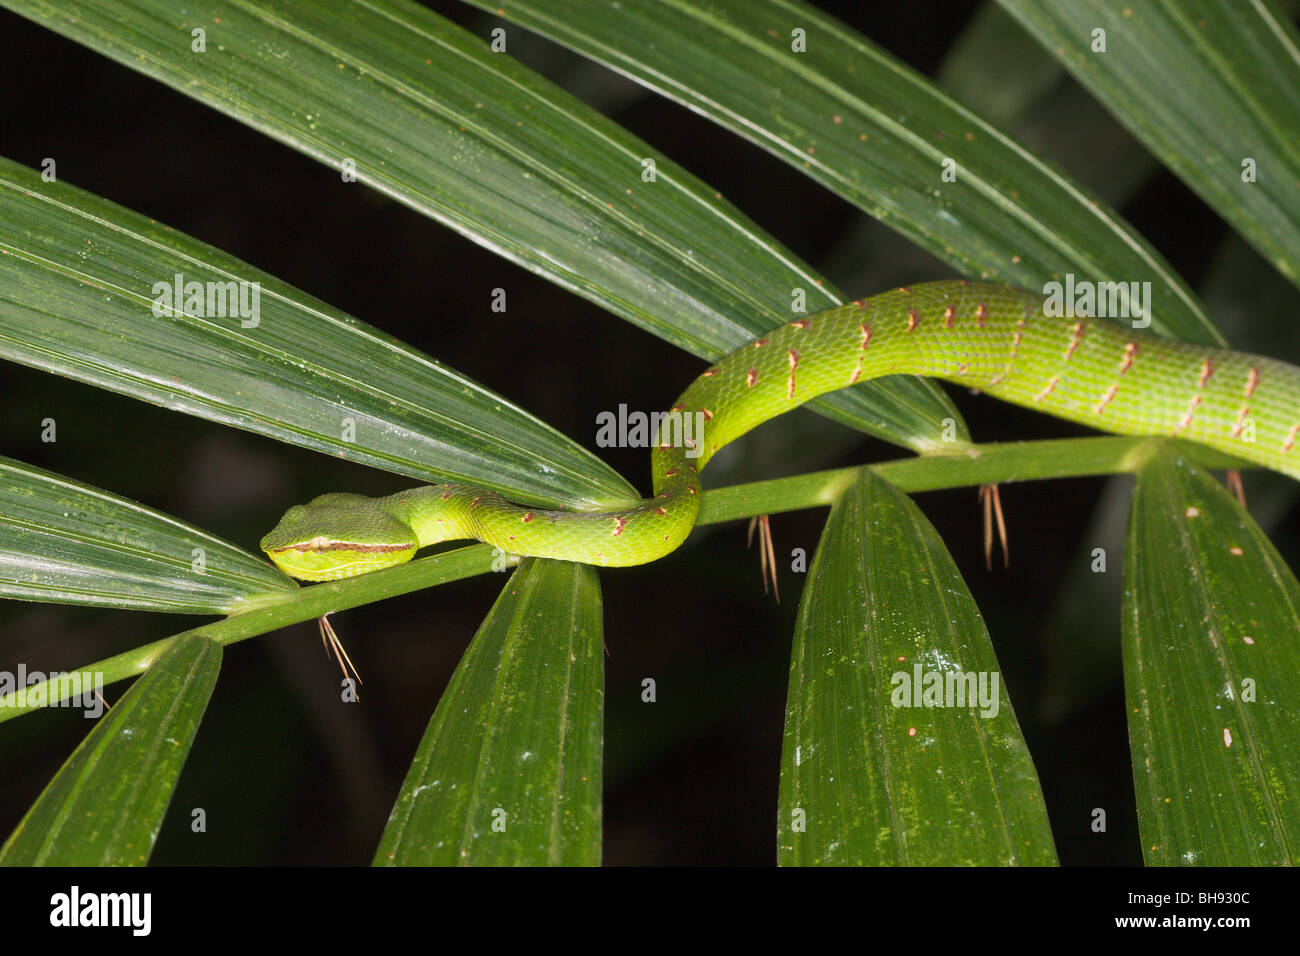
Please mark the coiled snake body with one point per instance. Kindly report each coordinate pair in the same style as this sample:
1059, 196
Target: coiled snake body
989, 337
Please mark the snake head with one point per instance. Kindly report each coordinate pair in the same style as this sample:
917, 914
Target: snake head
337, 536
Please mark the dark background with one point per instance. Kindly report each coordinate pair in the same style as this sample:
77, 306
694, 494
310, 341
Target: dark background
288, 774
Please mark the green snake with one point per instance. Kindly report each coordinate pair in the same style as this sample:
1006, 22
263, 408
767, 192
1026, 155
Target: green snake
989, 337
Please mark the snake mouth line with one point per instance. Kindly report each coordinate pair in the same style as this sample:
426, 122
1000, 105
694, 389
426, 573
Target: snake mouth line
317, 545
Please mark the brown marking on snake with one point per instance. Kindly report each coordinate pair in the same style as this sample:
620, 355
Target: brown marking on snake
905, 288
1074, 343
1290, 438
794, 363
1130, 350
1106, 399
1206, 371
619, 524
1241, 421
751, 377
1015, 352
709, 374
1187, 419
981, 315
1252, 381
759, 343
670, 473
708, 415
913, 319
864, 331
804, 324
661, 511
1051, 387
528, 517
949, 316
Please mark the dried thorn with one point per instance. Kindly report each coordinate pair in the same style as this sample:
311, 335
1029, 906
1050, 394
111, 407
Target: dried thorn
330, 640
1002, 527
987, 502
992, 501
766, 552
771, 557
1235, 486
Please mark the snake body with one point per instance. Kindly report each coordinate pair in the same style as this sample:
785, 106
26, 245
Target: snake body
989, 337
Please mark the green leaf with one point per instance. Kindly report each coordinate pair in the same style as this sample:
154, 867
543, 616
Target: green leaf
509, 770
874, 131
872, 778
1025, 73
69, 543
106, 804
1212, 674
77, 278
434, 119
1206, 86
1030, 96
